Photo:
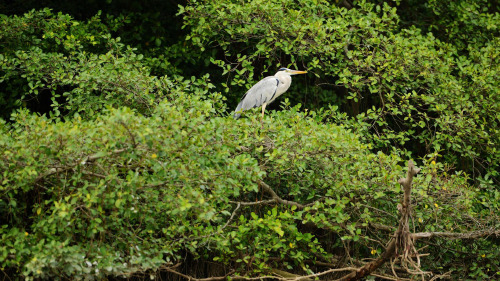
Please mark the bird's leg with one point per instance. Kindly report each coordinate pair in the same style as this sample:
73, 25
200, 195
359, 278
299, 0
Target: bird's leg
262, 117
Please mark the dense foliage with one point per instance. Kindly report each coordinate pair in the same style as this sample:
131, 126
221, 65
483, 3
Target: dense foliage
410, 88
116, 161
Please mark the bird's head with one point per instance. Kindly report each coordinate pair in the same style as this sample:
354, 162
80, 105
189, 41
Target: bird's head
291, 71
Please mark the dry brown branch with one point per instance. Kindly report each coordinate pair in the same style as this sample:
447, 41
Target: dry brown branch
371, 266
275, 199
278, 199
282, 278
319, 274
441, 276
454, 235
94, 174
288, 275
297, 278
381, 226
191, 278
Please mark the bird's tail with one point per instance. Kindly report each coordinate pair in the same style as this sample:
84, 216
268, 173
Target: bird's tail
237, 111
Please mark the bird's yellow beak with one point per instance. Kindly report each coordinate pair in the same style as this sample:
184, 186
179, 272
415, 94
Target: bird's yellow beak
299, 72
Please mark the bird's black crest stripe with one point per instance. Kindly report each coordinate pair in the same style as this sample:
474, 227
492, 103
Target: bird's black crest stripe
277, 83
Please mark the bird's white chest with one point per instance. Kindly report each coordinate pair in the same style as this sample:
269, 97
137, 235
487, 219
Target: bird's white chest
283, 85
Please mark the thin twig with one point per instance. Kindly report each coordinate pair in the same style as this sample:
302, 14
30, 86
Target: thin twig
225, 225
132, 137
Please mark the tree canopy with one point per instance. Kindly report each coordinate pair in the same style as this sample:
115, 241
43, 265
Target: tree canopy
119, 156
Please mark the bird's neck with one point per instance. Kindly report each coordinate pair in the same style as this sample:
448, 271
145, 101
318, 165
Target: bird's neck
284, 78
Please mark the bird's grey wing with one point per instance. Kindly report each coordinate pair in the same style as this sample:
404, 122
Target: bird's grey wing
260, 93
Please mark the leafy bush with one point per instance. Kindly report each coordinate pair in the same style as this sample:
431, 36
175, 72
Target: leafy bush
411, 90
53, 63
465, 23
123, 193
128, 173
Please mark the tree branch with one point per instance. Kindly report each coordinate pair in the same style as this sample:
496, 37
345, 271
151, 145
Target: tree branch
281, 275
454, 235
263, 202
191, 278
278, 199
297, 278
275, 199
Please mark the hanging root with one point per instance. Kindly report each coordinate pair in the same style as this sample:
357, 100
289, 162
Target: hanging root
405, 246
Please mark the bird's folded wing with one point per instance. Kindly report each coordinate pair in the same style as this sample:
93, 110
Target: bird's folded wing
262, 92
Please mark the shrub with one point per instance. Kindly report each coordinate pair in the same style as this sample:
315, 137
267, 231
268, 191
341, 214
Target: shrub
129, 173
55, 64
410, 89
123, 194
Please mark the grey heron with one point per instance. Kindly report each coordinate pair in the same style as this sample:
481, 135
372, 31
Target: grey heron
266, 91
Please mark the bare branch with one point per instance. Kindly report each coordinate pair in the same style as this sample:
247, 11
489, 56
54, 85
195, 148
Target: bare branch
390, 278
297, 278
191, 278
319, 274
381, 226
406, 183
454, 235
263, 202
441, 276
94, 174
275, 199
278, 199
235, 277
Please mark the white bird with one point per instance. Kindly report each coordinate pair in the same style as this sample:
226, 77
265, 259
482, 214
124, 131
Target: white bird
266, 91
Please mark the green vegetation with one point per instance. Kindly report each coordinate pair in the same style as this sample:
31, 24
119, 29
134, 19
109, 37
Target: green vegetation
119, 156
